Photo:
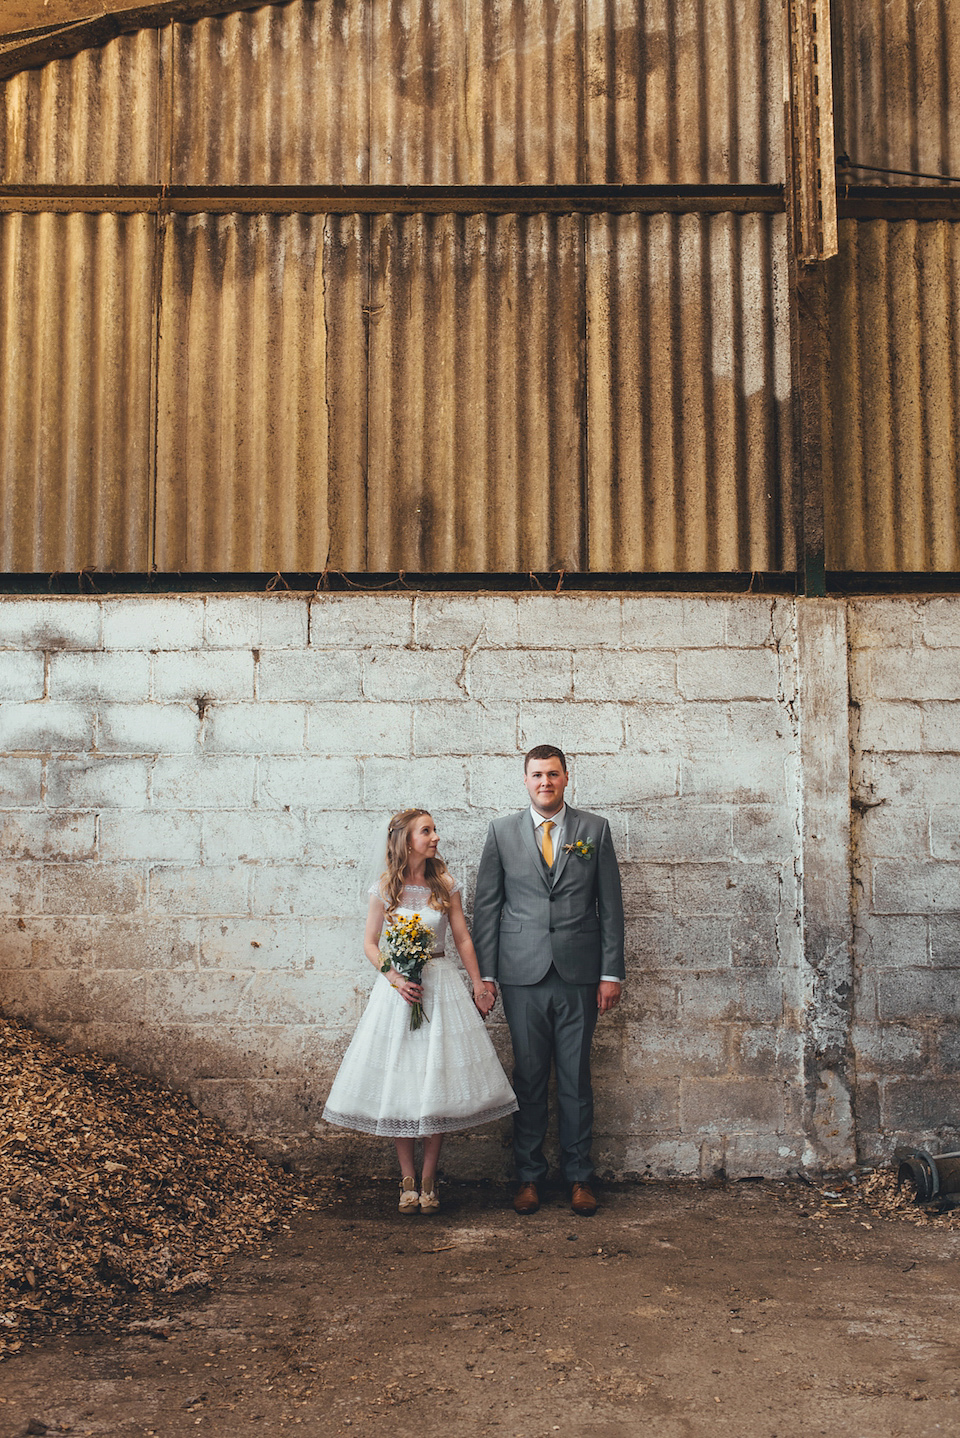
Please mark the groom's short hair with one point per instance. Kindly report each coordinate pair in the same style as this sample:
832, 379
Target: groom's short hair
544, 751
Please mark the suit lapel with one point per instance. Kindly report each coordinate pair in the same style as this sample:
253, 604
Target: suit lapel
530, 843
571, 832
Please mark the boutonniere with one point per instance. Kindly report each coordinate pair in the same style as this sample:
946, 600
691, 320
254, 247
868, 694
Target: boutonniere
583, 848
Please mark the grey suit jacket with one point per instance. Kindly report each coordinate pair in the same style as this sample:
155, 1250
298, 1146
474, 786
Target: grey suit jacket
524, 919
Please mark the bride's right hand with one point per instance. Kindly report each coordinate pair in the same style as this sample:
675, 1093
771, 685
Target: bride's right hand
410, 992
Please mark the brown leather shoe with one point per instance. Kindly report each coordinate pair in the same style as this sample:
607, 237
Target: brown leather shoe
583, 1200
526, 1198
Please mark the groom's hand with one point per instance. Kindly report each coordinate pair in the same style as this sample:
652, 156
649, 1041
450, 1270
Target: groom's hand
490, 998
608, 996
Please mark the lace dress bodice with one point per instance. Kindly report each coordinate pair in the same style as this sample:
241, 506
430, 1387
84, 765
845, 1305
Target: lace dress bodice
415, 899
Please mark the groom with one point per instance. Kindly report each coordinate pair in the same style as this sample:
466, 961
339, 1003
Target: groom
548, 925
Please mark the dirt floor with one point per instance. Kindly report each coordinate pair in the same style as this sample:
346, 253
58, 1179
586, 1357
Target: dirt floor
676, 1310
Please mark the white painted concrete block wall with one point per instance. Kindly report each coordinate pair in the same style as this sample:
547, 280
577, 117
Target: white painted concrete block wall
186, 785
905, 691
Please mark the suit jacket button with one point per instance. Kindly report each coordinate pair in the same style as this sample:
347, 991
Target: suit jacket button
552, 930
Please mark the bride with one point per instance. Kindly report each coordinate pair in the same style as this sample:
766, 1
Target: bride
409, 1083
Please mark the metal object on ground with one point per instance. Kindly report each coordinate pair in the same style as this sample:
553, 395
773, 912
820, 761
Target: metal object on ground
929, 1176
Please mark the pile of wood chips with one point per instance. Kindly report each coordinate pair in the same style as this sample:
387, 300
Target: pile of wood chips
112, 1185
877, 1193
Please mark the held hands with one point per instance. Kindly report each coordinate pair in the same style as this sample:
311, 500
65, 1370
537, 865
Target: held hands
485, 997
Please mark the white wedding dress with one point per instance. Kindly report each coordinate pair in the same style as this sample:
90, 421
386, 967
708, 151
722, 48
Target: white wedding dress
406, 1083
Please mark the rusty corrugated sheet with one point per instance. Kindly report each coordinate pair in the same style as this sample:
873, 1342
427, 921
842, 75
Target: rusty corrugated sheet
416, 92
476, 393
895, 336
898, 78
92, 119
261, 393
76, 326
689, 415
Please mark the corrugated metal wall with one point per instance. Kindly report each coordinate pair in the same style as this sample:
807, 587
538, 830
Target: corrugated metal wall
895, 298
898, 63
76, 346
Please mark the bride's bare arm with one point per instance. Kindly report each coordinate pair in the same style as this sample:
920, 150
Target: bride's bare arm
484, 996
371, 941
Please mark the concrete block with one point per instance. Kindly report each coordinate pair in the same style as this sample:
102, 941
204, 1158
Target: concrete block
303, 890
730, 1105
699, 943
92, 889
891, 1050
568, 621
668, 728
495, 675
466, 727
220, 889
20, 782
417, 674
241, 621
896, 832
21, 675
917, 779
203, 782
731, 996
576, 728
759, 775
891, 941
676, 830
47, 836
95, 783
760, 722
49, 623
179, 996
892, 623
20, 888
668, 621
308, 782
116, 941
648, 998
252, 836
918, 993
46, 725
225, 1101
755, 941
149, 836
614, 783
360, 729
939, 622
648, 888
627, 677
291, 997
121, 677
444, 621
748, 621
147, 729
730, 889
728, 674
751, 1155
335, 834
770, 1053
919, 1106
152, 622
891, 726
120, 993
944, 940
256, 728
919, 673
941, 728
764, 831
901, 887
640, 1106
433, 784
234, 944
191, 673
361, 621
309, 674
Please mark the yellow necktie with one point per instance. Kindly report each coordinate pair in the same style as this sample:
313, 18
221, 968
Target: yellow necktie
547, 849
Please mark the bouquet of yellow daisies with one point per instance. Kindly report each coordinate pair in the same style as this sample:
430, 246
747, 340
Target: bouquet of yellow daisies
409, 944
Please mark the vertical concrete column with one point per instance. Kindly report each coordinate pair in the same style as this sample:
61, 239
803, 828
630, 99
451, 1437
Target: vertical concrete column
825, 892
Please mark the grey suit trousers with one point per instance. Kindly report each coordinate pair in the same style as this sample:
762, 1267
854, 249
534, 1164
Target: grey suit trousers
549, 1017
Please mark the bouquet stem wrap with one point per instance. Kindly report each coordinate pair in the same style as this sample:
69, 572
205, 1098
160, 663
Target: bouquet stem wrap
409, 944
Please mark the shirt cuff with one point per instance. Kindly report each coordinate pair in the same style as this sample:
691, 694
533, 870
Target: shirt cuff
610, 979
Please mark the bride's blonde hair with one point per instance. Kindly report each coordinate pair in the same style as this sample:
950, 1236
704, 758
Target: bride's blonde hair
398, 852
